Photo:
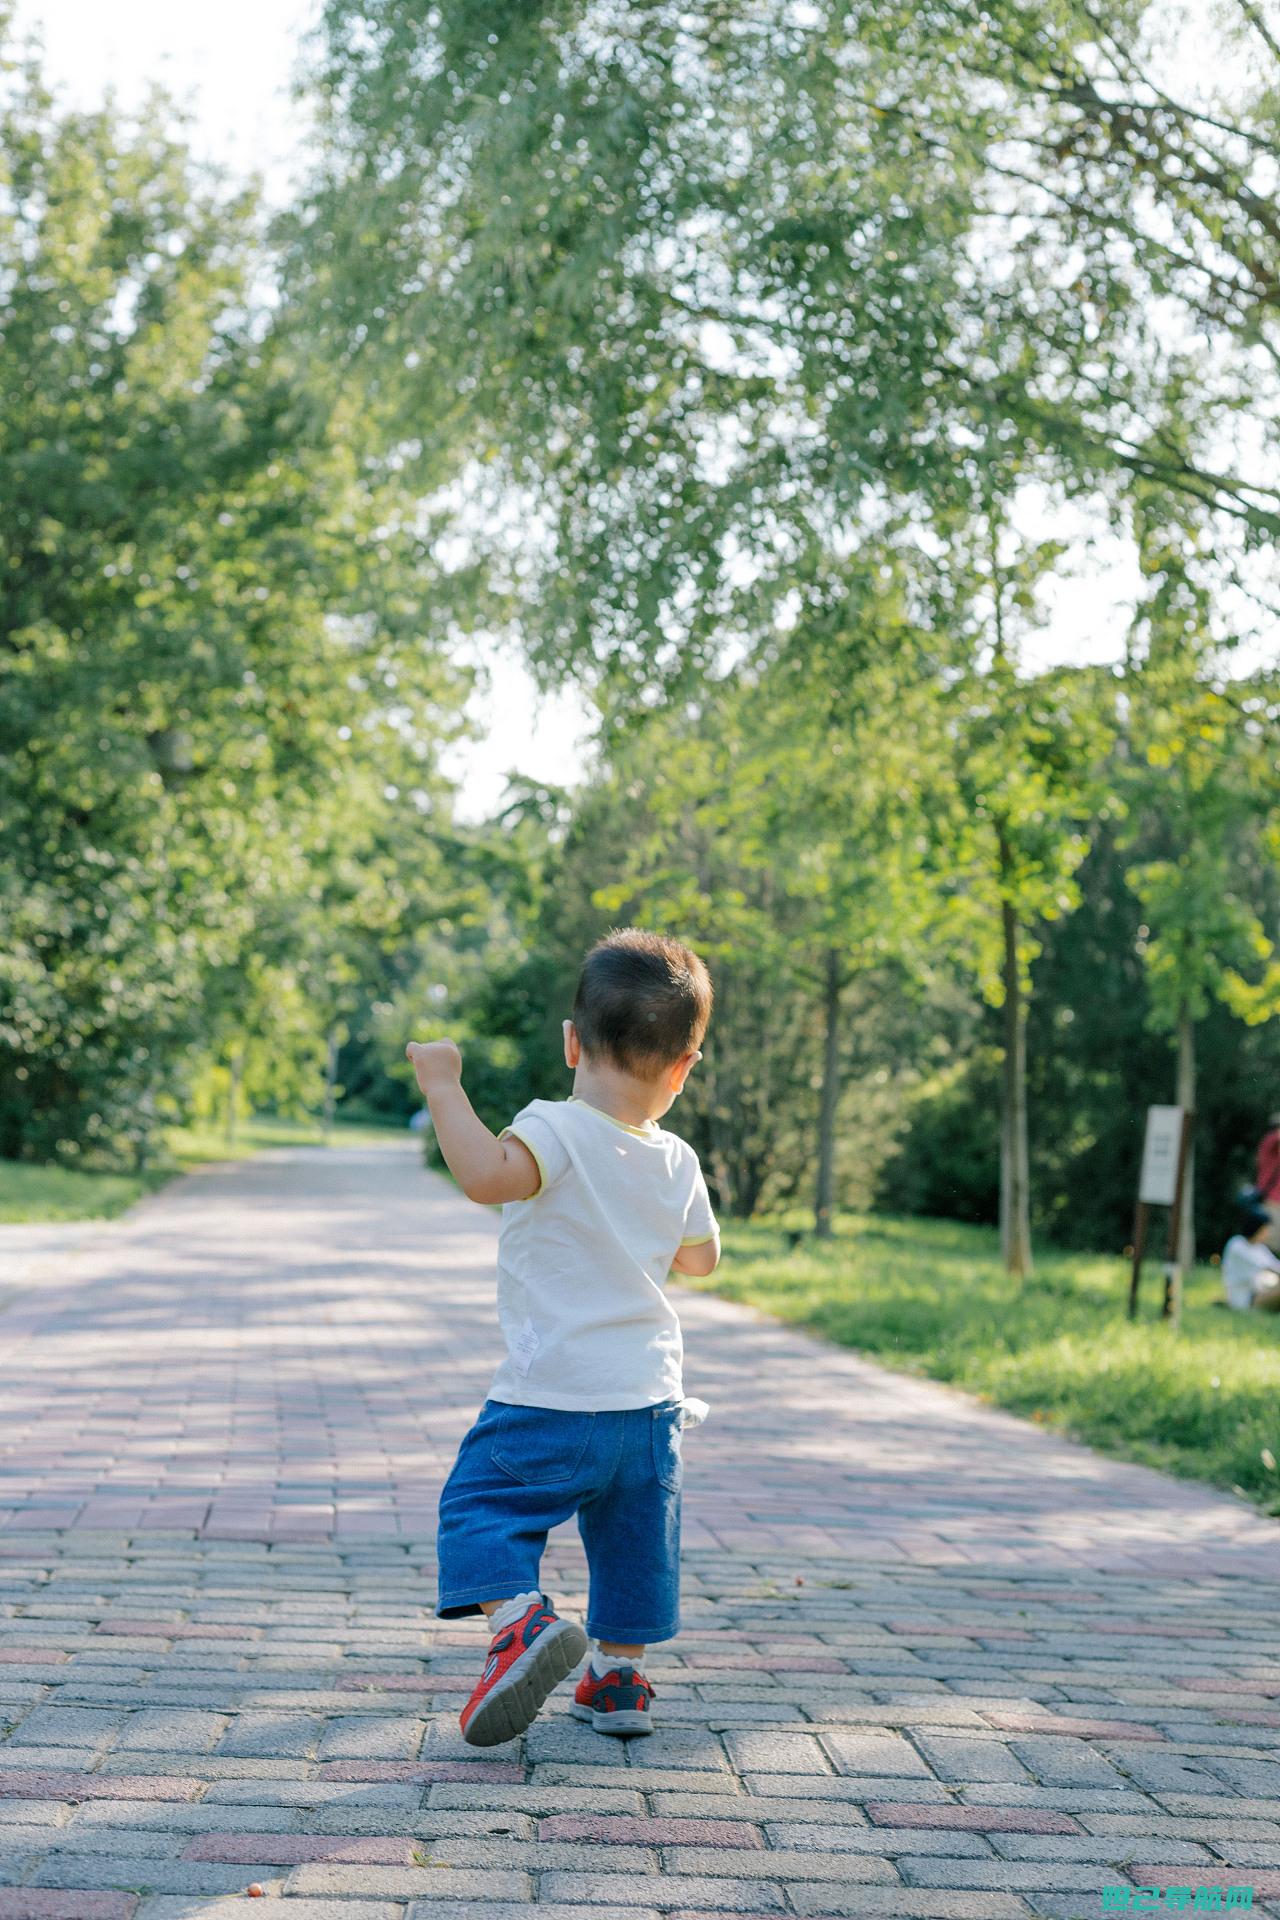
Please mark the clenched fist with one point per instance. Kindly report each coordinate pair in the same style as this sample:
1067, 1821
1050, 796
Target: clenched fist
436, 1063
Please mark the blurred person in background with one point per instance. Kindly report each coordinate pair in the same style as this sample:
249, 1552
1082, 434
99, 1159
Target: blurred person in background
1268, 1178
1250, 1271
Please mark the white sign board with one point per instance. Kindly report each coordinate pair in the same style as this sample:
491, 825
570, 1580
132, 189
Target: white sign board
1161, 1151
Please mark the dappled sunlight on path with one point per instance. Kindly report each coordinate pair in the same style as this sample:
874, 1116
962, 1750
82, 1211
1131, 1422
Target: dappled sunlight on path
935, 1664
290, 1345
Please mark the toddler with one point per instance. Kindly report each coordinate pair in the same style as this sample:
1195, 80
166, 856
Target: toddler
584, 1415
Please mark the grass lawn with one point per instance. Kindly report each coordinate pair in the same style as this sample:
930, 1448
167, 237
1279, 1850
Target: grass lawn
66, 1193
929, 1297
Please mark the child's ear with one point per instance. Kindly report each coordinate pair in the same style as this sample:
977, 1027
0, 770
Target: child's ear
572, 1045
683, 1068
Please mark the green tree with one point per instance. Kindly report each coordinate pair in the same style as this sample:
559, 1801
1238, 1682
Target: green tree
1206, 757
683, 297
211, 643
993, 776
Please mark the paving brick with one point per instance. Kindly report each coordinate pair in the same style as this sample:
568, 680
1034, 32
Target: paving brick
1065, 1725
410, 1883
30, 1903
648, 1832
311, 1793
486, 1851
667, 1891
1249, 1776
1092, 1846
736, 1807
1205, 1830
379, 1821
173, 1630
970, 1761
58, 1759
369, 1737
170, 1817
53, 1725
293, 1849
156, 1843
884, 1754
668, 1750
1217, 1806
1154, 1874
973, 1819
1162, 1773
133, 1873
903, 1903
504, 1910
18, 1785
1247, 1853
1011, 1876
169, 1730
1064, 1762
534, 1799
1120, 1798
777, 1752
271, 1735
812, 1838
423, 1772
170, 1907
210, 1766
809, 1864
847, 1788
51, 1813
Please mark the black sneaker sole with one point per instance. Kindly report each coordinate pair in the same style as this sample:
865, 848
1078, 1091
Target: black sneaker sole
514, 1703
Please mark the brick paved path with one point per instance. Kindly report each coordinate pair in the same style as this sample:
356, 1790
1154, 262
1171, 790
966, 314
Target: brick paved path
936, 1663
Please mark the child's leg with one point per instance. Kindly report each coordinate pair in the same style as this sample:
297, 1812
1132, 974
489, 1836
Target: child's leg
631, 1532
517, 1475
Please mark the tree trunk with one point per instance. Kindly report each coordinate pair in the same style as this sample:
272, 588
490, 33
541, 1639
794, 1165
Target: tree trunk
1015, 1172
330, 1081
233, 1095
824, 1201
1187, 1101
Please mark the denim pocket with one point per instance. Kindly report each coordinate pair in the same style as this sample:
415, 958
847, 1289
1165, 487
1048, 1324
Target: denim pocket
668, 1451
540, 1446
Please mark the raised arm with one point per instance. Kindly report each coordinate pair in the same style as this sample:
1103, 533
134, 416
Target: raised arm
487, 1169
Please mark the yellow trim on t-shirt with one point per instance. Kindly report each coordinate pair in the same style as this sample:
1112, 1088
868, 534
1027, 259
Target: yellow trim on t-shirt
700, 1240
529, 1148
644, 1133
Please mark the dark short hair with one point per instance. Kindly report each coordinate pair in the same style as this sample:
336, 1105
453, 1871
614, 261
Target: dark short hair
1251, 1217
643, 1000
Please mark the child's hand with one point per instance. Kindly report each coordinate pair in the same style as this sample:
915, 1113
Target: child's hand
437, 1063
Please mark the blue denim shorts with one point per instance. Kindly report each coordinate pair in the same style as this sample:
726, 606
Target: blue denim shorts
522, 1470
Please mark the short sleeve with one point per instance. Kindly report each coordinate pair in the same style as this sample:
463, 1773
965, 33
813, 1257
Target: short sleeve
533, 1131
699, 1221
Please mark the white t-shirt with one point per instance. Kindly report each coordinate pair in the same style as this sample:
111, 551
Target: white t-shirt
1244, 1265
583, 1265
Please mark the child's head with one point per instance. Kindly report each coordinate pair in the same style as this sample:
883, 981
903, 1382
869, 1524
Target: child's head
642, 1006
1254, 1221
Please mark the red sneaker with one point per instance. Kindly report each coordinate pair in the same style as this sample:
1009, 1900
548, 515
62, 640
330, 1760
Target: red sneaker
617, 1702
525, 1662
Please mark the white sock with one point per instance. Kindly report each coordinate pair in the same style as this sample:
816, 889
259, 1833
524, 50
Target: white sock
511, 1610
602, 1663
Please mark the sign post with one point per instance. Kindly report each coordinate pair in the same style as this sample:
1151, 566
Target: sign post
1160, 1182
